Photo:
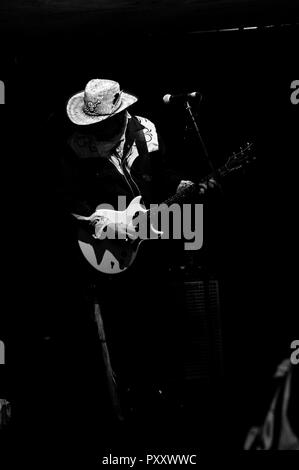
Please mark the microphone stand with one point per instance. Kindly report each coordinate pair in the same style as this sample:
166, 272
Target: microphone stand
214, 170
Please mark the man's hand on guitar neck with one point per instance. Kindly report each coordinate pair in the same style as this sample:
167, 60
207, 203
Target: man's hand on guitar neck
202, 187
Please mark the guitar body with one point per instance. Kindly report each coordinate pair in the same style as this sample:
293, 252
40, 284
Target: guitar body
112, 256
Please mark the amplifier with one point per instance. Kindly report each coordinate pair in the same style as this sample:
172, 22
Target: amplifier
202, 352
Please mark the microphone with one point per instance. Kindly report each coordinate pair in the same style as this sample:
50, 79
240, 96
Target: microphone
181, 97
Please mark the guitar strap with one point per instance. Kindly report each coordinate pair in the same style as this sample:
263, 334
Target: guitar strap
144, 166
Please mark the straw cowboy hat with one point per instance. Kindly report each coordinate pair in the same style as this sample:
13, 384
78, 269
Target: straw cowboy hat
100, 100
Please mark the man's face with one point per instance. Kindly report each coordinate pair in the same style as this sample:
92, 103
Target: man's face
111, 127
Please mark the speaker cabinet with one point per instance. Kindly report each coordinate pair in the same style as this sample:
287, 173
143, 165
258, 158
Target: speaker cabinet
201, 329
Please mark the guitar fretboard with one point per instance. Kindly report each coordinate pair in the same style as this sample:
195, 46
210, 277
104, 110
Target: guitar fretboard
186, 193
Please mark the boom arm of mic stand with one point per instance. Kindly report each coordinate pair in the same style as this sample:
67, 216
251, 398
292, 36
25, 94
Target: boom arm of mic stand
214, 171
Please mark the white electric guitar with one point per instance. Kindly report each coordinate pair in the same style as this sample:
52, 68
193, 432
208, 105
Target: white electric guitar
113, 256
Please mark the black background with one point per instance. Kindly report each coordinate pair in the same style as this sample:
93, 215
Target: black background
251, 236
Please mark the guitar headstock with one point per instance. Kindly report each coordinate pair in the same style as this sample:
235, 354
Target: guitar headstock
241, 158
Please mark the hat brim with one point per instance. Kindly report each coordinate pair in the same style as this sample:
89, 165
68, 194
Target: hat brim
75, 109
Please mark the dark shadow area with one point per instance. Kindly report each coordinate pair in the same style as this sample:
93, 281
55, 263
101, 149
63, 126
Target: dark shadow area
54, 373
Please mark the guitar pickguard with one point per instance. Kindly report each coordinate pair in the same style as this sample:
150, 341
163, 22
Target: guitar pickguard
112, 256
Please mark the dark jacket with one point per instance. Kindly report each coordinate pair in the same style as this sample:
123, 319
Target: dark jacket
88, 180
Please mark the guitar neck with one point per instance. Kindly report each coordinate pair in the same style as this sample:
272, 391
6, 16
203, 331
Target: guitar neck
234, 162
185, 193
